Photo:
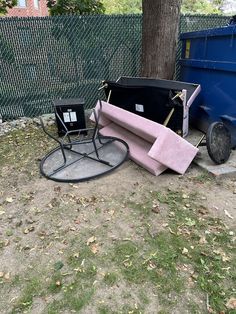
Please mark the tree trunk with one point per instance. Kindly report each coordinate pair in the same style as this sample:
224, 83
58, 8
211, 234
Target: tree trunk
159, 37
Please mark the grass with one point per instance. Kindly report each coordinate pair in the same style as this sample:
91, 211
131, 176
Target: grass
159, 262
154, 262
21, 147
32, 288
104, 309
110, 278
203, 177
194, 308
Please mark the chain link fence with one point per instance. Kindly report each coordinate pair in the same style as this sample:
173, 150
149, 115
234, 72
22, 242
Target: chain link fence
47, 58
191, 23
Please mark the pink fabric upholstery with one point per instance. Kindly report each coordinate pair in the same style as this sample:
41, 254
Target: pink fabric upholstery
152, 145
138, 148
175, 152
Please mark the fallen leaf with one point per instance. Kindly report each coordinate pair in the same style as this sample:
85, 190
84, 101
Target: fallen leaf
184, 231
7, 276
190, 282
91, 240
82, 263
222, 254
156, 209
185, 251
203, 211
194, 276
210, 310
231, 304
165, 225
127, 263
29, 221
151, 266
6, 242
94, 248
57, 189
75, 186
9, 199
1, 274
190, 222
27, 230
112, 212
202, 240
225, 258
228, 214
171, 231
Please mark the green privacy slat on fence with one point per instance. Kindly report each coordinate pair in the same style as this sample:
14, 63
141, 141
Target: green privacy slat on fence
42, 59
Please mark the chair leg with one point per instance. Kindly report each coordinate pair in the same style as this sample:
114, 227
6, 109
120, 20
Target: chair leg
69, 140
95, 148
64, 159
96, 152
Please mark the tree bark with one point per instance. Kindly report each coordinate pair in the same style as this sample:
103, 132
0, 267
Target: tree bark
159, 37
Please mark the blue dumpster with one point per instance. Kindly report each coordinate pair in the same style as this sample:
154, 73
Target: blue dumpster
209, 58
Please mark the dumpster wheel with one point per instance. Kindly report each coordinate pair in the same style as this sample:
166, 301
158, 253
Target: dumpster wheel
218, 142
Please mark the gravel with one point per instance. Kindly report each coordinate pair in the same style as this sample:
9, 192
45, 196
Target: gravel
23, 122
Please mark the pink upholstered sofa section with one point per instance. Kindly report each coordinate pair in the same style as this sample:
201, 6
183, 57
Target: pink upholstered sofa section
152, 145
142, 127
177, 154
138, 148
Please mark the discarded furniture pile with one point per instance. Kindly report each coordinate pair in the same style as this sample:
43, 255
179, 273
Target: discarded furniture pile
144, 119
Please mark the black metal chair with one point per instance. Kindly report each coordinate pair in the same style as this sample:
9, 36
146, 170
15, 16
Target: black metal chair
72, 150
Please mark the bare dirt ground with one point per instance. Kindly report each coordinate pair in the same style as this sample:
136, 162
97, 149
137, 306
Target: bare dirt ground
128, 242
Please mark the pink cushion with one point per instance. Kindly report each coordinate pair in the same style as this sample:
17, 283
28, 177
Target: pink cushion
138, 148
174, 152
130, 121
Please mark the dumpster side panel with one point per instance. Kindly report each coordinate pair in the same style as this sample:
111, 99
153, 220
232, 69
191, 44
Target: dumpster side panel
209, 58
